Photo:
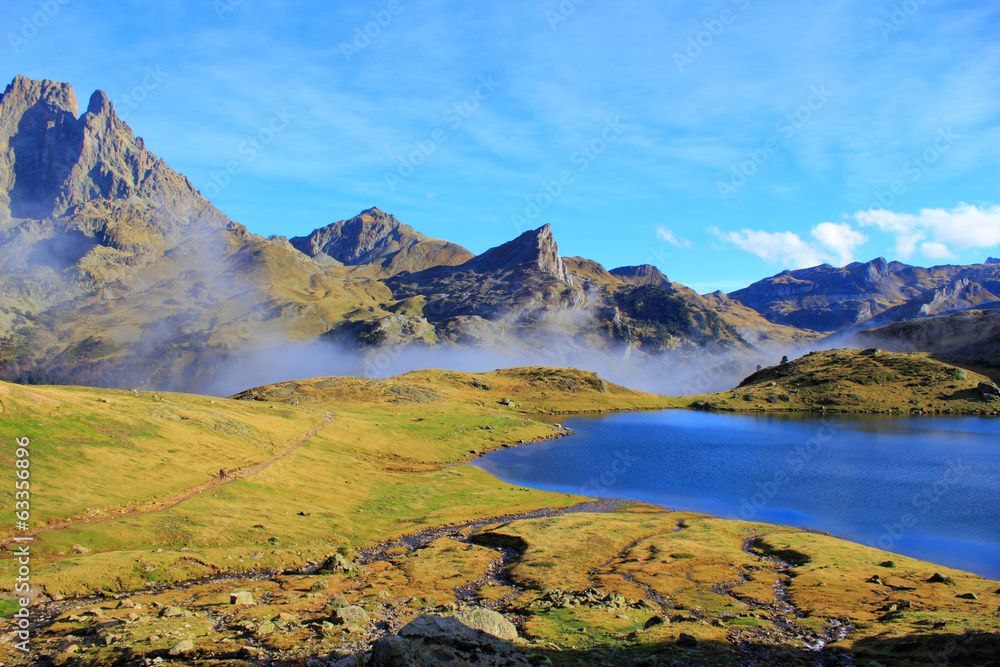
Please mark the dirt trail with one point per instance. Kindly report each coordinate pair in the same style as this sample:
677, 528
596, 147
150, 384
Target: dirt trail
170, 503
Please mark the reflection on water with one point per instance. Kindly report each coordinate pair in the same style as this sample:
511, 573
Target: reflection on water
923, 487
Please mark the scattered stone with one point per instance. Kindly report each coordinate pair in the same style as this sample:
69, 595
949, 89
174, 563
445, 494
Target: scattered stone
351, 614
320, 585
80, 549
182, 647
887, 563
339, 563
685, 640
653, 621
488, 621
241, 598
126, 603
875, 580
265, 628
507, 402
174, 612
94, 613
938, 579
968, 596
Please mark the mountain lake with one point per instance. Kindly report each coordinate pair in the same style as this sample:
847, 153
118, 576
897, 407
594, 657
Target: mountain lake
925, 487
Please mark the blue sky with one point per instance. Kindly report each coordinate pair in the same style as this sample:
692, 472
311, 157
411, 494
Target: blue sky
722, 141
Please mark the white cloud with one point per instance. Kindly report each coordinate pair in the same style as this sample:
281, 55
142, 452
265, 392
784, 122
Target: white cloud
840, 239
936, 250
937, 231
670, 237
834, 243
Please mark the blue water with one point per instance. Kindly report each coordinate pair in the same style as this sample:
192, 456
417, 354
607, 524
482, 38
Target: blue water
922, 487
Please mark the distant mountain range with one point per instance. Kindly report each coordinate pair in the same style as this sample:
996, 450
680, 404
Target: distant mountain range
115, 270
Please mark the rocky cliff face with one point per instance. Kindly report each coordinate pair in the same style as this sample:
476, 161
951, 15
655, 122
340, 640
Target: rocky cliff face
962, 294
533, 252
510, 285
54, 162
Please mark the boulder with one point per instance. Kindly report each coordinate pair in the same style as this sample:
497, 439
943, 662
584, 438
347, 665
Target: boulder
350, 615
394, 651
989, 391
241, 598
653, 621
445, 640
685, 640
445, 630
339, 563
181, 648
488, 621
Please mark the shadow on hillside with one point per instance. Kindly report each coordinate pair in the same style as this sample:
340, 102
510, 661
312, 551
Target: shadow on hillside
925, 648
676, 648
990, 367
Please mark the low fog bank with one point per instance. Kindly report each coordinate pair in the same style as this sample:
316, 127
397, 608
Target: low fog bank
680, 373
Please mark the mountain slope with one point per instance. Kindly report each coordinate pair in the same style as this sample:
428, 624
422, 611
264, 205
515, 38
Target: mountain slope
972, 333
829, 299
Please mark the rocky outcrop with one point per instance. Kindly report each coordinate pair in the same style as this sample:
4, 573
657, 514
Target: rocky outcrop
962, 294
533, 251
518, 281
644, 274
375, 237
989, 391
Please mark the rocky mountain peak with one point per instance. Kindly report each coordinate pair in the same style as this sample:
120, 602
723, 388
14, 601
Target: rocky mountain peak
644, 274
878, 268
992, 260
23, 93
535, 249
55, 161
376, 237
366, 237
99, 103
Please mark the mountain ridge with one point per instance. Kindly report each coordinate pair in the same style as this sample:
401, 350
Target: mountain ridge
128, 275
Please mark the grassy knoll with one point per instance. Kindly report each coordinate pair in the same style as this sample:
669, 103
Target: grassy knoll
861, 381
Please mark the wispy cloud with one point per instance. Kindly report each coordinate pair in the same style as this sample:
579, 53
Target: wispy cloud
670, 237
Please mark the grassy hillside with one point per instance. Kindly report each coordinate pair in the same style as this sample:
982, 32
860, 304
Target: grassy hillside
860, 381
347, 465
99, 453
